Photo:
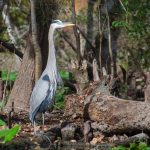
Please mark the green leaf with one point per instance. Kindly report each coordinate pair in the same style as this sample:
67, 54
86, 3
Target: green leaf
133, 146
2, 123
12, 76
59, 105
3, 133
9, 76
119, 148
142, 146
119, 24
4, 75
59, 97
12, 132
65, 75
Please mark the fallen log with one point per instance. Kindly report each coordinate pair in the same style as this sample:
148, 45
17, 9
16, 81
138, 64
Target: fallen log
111, 114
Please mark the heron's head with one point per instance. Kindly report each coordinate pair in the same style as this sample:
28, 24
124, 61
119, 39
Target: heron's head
59, 24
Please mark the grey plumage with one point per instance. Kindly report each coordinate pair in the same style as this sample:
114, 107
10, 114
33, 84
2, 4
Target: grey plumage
44, 91
42, 96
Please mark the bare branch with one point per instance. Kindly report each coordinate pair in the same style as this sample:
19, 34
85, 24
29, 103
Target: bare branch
87, 40
123, 6
68, 41
10, 27
11, 48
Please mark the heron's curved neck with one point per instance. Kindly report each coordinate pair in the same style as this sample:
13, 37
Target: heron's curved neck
51, 62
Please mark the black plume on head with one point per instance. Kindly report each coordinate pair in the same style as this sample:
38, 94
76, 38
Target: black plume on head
56, 21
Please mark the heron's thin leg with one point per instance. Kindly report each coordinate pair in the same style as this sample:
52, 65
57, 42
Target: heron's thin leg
34, 128
43, 121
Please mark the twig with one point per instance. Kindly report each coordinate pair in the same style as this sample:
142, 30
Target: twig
68, 41
123, 6
10, 116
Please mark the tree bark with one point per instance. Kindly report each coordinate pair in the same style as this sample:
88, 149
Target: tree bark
76, 33
147, 89
1, 89
22, 88
110, 42
37, 49
99, 60
88, 54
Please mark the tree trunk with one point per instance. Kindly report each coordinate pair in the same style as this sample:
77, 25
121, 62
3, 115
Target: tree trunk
147, 89
22, 88
37, 49
89, 36
76, 33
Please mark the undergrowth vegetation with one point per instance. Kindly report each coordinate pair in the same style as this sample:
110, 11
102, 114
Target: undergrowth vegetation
7, 135
134, 146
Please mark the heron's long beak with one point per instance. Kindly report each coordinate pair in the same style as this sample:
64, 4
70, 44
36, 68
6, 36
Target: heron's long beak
67, 24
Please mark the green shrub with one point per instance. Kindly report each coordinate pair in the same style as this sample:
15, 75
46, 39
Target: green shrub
7, 135
134, 146
62, 91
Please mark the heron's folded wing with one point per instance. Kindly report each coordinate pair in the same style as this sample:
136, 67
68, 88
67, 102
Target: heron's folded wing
39, 93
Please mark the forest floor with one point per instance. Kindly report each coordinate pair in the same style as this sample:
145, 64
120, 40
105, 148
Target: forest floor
25, 139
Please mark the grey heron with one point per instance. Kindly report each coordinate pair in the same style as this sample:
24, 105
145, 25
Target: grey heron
43, 93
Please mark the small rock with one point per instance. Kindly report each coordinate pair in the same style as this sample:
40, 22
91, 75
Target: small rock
47, 138
97, 139
113, 139
123, 137
68, 132
94, 141
73, 141
88, 133
43, 141
54, 133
